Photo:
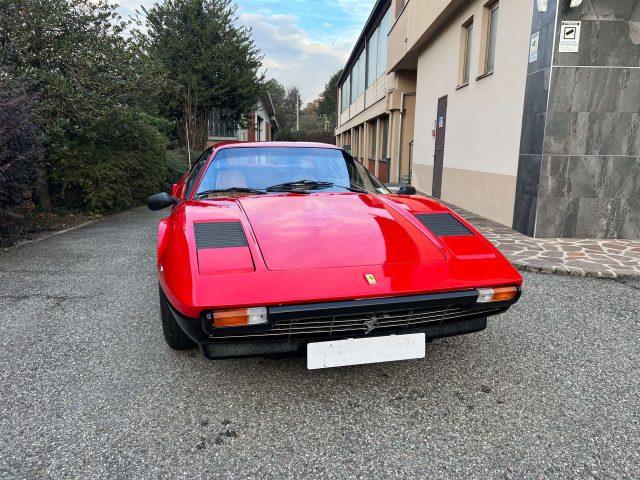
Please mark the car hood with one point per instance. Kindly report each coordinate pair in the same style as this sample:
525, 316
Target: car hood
301, 232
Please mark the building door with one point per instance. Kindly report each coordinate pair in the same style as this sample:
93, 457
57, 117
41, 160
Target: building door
438, 156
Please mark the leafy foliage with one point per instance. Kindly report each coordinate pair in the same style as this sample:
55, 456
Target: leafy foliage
328, 100
208, 62
74, 56
19, 157
114, 165
313, 126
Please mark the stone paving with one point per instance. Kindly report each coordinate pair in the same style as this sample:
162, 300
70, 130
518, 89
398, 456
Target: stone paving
608, 258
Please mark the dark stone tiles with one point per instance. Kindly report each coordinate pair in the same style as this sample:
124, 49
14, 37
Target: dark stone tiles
545, 48
524, 214
584, 89
604, 43
540, 19
532, 136
630, 208
556, 217
583, 133
528, 174
572, 177
601, 218
604, 10
537, 91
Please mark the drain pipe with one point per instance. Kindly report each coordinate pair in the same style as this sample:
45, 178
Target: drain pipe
399, 149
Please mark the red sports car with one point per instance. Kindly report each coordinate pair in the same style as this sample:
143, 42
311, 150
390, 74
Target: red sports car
291, 248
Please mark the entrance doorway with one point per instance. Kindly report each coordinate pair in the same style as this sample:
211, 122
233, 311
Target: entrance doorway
438, 155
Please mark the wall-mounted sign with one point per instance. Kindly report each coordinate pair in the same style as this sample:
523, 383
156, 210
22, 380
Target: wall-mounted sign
533, 47
569, 37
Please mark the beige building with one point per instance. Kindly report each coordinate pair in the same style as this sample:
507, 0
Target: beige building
518, 110
441, 54
376, 108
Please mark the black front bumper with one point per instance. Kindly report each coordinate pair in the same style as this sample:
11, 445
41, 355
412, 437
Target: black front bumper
290, 328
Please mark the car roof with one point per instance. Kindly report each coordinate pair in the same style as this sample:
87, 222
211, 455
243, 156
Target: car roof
277, 144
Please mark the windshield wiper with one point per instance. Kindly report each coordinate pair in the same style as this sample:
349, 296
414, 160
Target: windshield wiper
229, 190
300, 186
354, 187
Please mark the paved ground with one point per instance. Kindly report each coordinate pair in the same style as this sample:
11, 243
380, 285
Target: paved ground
608, 258
89, 390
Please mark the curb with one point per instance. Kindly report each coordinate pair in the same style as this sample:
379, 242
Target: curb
48, 235
571, 271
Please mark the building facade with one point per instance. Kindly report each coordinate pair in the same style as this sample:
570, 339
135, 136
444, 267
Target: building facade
526, 112
261, 125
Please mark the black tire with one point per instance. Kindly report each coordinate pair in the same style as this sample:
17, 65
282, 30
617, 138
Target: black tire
173, 334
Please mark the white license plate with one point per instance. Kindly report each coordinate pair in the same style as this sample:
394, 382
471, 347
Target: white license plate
358, 351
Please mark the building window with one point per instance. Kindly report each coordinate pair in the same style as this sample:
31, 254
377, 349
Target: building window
358, 77
384, 126
465, 52
373, 140
372, 57
355, 146
383, 31
345, 98
259, 129
492, 32
220, 126
377, 49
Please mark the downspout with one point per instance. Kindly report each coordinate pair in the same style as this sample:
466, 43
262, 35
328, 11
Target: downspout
399, 149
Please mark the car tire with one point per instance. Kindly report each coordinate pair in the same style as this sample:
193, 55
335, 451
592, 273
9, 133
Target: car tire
173, 334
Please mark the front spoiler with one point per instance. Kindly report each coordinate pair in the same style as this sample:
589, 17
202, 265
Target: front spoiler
213, 346
214, 351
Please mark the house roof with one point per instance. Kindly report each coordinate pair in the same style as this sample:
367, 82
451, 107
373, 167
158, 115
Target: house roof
267, 103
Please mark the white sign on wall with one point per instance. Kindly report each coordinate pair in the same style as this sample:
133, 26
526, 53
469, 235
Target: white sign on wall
533, 47
569, 37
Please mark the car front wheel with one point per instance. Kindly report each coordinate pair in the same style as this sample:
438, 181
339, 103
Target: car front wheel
173, 334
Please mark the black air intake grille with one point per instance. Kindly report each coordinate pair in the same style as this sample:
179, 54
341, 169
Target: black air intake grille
219, 235
443, 224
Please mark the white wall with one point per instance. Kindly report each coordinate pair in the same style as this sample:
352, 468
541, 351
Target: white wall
484, 118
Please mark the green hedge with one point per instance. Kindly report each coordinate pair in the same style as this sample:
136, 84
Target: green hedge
19, 159
115, 165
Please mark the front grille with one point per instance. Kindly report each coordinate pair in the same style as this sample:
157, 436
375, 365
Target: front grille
360, 324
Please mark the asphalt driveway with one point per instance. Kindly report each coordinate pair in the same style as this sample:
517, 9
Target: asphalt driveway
88, 388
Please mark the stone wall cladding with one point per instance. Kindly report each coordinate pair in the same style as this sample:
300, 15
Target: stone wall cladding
587, 158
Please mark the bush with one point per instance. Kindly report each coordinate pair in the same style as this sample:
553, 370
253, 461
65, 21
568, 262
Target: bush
115, 165
19, 159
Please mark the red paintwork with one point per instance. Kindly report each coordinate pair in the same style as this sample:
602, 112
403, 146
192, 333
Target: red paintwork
318, 247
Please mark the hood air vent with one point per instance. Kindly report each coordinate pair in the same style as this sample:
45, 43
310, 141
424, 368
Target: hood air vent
444, 225
219, 235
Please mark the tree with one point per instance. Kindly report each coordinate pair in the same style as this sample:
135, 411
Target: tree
74, 57
19, 158
328, 100
285, 101
208, 62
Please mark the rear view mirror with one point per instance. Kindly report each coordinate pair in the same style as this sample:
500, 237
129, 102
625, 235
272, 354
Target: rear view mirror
160, 201
400, 189
407, 190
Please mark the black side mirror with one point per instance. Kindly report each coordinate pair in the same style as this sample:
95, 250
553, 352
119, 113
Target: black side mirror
407, 190
160, 201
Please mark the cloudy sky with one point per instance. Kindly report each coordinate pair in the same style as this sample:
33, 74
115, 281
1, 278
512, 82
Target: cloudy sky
303, 41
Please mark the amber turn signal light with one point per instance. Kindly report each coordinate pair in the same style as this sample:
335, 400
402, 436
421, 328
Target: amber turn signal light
239, 317
496, 294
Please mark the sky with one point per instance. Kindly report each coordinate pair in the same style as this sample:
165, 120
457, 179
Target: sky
303, 41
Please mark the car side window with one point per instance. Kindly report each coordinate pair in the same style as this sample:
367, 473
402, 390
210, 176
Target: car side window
195, 170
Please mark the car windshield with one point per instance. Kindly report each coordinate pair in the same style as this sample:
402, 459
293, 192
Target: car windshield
310, 168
